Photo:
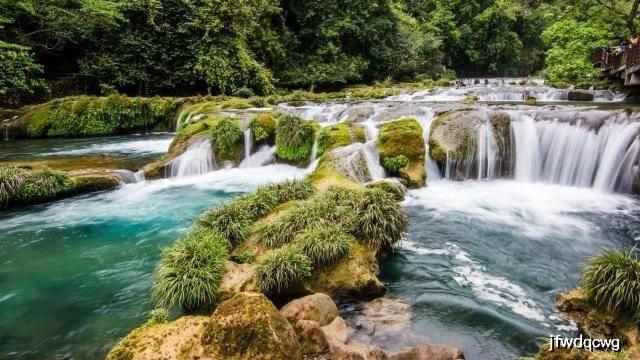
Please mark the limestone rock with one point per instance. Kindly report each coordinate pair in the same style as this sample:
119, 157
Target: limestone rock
337, 334
404, 137
580, 96
317, 307
237, 278
429, 352
313, 340
179, 339
248, 326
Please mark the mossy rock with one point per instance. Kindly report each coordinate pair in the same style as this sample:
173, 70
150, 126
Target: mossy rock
94, 182
338, 135
179, 339
294, 139
248, 326
263, 127
404, 138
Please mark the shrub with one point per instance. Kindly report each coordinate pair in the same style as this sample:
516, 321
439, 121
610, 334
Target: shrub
259, 101
294, 138
45, 184
274, 234
324, 245
282, 268
11, 181
379, 219
612, 280
244, 92
190, 271
225, 134
158, 316
395, 163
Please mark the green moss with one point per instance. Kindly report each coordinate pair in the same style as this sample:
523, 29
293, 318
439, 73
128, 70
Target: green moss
263, 127
294, 138
402, 140
236, 103
38, 121
388, 187
225, 136
333, 136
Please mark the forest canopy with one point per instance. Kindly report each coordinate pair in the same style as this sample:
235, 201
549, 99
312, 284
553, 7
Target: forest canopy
180, 47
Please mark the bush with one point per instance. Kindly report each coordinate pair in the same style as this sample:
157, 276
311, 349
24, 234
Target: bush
190, 271
45, 184
11, 181
379, 219
244, 92
259, 101
324, 245
158, 316
395, 163
224, 135
282, 268
294, 138
612, 280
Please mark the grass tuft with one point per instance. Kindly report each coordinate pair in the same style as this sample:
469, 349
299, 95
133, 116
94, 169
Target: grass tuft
294, 138
282, 268
324, 245
44, 184
11, 181
612, 280
224, 135
190, 271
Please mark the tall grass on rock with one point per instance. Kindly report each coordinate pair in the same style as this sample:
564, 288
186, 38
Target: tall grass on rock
379, 219
11, 181
294, 138
282, 268
190, 271
324, 245
224, 135
612, 280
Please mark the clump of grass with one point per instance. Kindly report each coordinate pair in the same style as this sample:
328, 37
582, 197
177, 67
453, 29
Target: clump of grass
231, 220
290, 190
388, 187
11, 181
612, 280
158, 316
224, 135
294, 138
282, 268
324, 245
44, 184
379, 219
243, 258
190, 271
395, 163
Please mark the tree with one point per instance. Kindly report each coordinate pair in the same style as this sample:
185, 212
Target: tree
19, 74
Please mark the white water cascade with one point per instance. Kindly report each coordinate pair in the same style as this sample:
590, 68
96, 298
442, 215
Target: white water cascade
425, 117
575, 154
197, 160
263, 156
486, 152
248, 142
370, 152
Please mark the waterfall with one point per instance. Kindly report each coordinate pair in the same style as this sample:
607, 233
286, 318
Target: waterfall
247, 142
261, 157
197, 160
575, 154
486, 152
425, 117
314, 149
370, 152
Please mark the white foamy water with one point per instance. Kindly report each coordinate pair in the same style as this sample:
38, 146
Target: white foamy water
198, 159
261, 157
147, 146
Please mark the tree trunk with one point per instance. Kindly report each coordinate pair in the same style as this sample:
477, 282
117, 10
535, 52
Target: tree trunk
631, 20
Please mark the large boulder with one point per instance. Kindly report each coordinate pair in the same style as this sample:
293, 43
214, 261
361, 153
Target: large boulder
248, 326
580, 96
237, 278
317, 307
403, 138
429, 352
179, 339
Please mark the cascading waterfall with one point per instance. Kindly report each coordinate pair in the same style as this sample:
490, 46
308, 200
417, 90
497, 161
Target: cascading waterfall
370, 152
197, 160
486, 152
263, 156
248, 142
575, 154
425, 117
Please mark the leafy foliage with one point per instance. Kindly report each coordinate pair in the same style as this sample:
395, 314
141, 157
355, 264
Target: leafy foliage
294, 138
20, 74
282, 268
612, 280
324, 245
395, 163
224, 135
158, 316
190, 271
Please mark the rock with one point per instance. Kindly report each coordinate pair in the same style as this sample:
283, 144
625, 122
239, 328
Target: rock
179, 339
429, 352
337, 334
313, 340
248, 326
317, 307
392, 186
87, 181
580, 96
237, 278
404, 137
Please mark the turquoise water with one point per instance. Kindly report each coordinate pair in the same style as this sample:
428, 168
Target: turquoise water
483, 261
75, 274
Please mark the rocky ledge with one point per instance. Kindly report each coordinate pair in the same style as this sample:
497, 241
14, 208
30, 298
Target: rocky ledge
249, 326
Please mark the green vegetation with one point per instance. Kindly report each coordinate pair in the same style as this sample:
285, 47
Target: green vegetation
233, 220
324, 245
21, 186
158, 316
282, 268
190, 271
87, 116
379, 220
612, 280
337, 135
388, 187
294, 138
225, 135
263, 127
395, 163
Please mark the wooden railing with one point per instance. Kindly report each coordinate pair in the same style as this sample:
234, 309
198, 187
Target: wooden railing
612, 62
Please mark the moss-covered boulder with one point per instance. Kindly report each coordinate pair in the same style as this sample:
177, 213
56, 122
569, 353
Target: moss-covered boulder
402, 150
248, 326
337, 135
294, 139
92, 181
263, 127
227, 141
179, 339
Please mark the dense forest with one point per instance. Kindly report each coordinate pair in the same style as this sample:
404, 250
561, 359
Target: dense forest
51, 48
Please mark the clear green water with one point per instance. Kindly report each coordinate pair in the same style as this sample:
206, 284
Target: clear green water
75, 274
483, 261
